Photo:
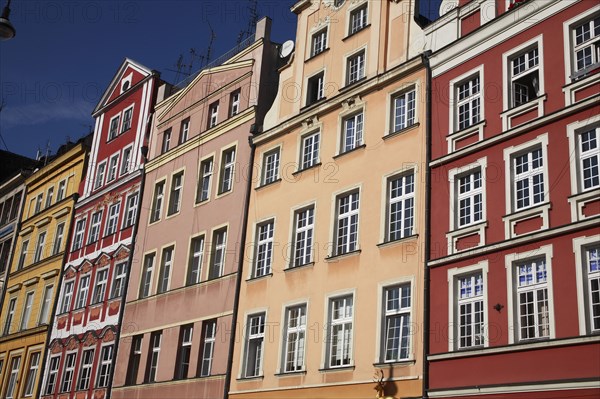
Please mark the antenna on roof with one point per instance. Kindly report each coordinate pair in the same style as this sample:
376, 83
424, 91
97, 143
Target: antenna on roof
210, 43
252, 20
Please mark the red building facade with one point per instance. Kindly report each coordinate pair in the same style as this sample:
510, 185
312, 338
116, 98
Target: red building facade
87, 316
514, 261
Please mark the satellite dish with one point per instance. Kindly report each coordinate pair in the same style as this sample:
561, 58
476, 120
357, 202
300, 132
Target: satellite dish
286, 49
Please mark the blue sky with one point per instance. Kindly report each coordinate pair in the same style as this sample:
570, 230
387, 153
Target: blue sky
65, 53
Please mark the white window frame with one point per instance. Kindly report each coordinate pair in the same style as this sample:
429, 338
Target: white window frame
453, 302
208, 346
264, 248
94, 234
158, 200
404, 313
310, 145
113, 127
166, 140
67, 296
39, 247
293, 354
195, 260
10, 316
318, 41
113, 168
235, 101
131, 208
104, 366
348, 244
184, 350
203, 193
356, 66
347, 323
100, 286
167, 259
27, 310
184, 131
100, 175
79, 234
126, 123
146, 277
83, 291
85, 369
213, 114
58, 238
23, 254
119, 280
227, 170
13, 377
52, 376
456, 134
270, 166
70, 369
358, 18
112, 219
315, 87
407, 218
511, 262
355, 134
62, 190
176, 193
303, 232
255, 335
46, 304
572, 73
153, 355
580, 246
49, 197
218, 250
406, 112
126, 156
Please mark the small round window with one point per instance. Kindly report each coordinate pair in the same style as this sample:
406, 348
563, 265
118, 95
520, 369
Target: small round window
125, 85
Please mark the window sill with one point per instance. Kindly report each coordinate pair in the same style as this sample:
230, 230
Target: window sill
271, 183
264, 276
357, 32
312, 57
349, 151
340, 368
255, 378
299, 171
398, 241
390, 364
313, 104
291, 373
304, 266
349, 86
335, 258
401, 131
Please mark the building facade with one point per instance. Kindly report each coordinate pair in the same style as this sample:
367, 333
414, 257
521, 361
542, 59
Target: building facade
83, 340
514, 262
332, 284
177, 327
33, 277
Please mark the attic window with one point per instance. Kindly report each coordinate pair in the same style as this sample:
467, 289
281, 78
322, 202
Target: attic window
125, 86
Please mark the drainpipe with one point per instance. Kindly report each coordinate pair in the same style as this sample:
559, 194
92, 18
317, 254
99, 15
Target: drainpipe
119, 326
238, 281
426, 302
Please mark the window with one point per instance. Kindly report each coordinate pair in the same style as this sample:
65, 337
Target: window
49, 196
146, 285
100, 286
315, 90
10, 315
403, 111
270, 166
175, 195
468, 104
26, 311
589, 158
470, 316
135, 354
352, 132
592, 271
227, 170
396, 327
346, 229
206, 171
16, 206
23, 254
469, 194
255, 336
319, 42
67, 378
165, 269
157, 202
113, 164
295, 338
114, 127
125, 160
401, 203
84, 287
11, 386
355, 67
112, 219
528, 178
154, 351
39, 248
234, 103
217, 261
131, 205
184, 131
67, 296
62, 186
304, 224
339, 351
52, 375
100, 175
310, 150
58, 238
78, 236
195, 261
127, 114
524, 77
182, 363
34, 364
106, 359
586, 46
166, 141
358, 19
532, 304
85, 370
46, 303
95, 227
38, 203
5, 248
118, 284
264, 249
213, 113
208, 347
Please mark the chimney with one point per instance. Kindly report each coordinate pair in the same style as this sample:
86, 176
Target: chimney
263, 29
